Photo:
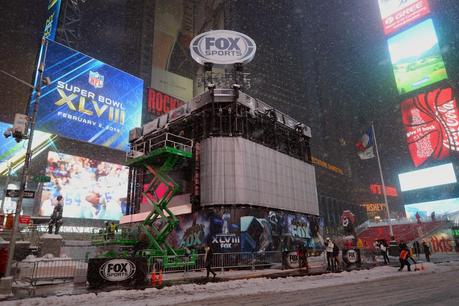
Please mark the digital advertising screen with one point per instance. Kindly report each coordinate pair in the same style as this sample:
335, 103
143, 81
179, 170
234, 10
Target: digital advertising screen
416, 57
12, 153
428, 177
396, 14
425, 209
91, 189
88, 100
431, 121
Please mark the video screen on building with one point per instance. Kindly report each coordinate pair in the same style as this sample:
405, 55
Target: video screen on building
91, 189
88, 100
431, 125
396, 14
12, 153
428, 177
416, 57
425, 209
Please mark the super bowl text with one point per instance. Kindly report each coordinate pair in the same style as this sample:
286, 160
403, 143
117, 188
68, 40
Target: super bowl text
82, 101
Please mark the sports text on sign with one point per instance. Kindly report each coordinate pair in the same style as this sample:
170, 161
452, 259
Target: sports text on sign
222, 47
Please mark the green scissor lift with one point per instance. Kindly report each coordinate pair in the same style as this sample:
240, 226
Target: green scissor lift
160, 222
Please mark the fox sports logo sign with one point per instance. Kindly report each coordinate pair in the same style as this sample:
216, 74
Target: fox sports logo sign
117, 270
222, 47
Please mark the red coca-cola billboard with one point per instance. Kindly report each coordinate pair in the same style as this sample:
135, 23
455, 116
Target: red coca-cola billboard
160, 103
431, 122
395, 14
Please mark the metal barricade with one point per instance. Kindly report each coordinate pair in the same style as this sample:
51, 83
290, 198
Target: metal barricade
50, 270
222, 261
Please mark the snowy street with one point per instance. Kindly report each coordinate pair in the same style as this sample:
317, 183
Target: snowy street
381, 285
416, 289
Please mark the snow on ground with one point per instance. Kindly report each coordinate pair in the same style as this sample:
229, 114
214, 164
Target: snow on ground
194, 292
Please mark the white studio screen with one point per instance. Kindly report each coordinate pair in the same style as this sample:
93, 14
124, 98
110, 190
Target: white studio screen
428, 177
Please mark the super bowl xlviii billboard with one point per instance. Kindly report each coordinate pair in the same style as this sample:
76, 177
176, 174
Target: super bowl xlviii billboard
88, 100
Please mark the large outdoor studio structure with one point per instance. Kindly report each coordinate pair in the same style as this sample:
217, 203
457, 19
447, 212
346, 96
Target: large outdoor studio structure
235, 171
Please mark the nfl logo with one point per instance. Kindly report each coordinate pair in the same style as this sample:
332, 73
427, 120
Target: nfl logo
96, 79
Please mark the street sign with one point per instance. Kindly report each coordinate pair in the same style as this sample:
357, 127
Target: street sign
24, 219
41, 179
28, 194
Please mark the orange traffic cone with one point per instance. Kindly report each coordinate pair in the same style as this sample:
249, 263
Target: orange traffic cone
160, 279
153, 278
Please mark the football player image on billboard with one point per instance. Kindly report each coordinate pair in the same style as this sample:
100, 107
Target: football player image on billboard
91, 189
431, 123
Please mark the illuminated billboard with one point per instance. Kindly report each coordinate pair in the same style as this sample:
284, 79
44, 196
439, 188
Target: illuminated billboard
428, 177
375, 210
91, 189
88, 100
378, 189
416, 57
160, 103
425, 209
431, 121
13, 153
395, 14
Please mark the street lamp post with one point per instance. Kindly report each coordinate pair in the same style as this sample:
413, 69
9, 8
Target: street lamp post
25, 169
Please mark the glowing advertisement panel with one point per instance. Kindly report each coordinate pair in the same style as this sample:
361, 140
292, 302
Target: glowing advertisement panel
88, 100
91, 189
425, 209
395, 14
13, 153
416, 57
52, 19
431, 121
428, 177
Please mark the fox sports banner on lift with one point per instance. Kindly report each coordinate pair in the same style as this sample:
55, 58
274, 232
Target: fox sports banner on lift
88, 100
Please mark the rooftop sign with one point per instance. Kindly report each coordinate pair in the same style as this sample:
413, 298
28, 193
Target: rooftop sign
222, 47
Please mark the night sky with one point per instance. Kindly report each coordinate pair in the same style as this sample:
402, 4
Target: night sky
355, 80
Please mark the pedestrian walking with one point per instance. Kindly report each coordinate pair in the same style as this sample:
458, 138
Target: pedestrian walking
285, 252
432, 216
56, 217
106, 229
336, 261
384, 248
404, 255
417, 248
418, 218
329, 249
426, 250
302, 257
208, 258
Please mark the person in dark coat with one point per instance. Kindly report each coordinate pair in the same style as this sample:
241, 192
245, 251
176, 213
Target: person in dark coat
336, 257
416, 248
208, 258
426, 250
56, 217
418, 218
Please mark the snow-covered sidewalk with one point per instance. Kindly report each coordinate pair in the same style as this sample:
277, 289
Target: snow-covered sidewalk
194, 292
